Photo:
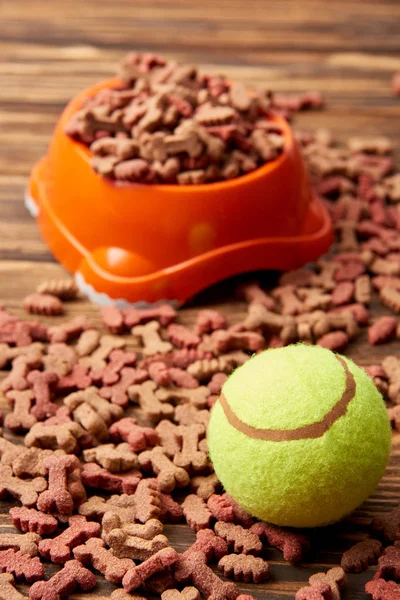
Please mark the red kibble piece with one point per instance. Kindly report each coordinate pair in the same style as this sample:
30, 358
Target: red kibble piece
118, 393
69, 330
389, 525
359, 312
334, 340
182, 337
251, 292
382, 330
158, 372
343, 293
43, 304
118, 359
113, 319
78, 379
43, 384
379, 589
209, 544
209, 320
349, 271
182, 378
124, 483
57, 497
63, 583
396, 83
220, 508
21, 566
361, 555
32, 520
293, 545
58, 549
138, 575
193, 566
389, 564
319, 591
164, 314
171, 511
138, 437
216, 382
240, 515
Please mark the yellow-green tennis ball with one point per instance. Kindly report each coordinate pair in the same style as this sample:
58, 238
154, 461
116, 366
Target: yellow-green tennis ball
299, 436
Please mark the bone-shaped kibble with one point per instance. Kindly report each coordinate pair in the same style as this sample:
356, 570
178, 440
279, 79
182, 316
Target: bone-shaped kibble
149, 403
171, 511
148, 500
151, 340
253, 294
88, 342
58, 549
96, 507
209, 544
33, 521
361, 555
293, 545
43, 384
188, 593
197, 514
94, 553
388, 563
204, 369
95, 476
57, 498
21, 565
187, 414
164, 313
225, 341
182, 337
139, 438
114, 458
220, 508
208, 320
379, 589
68, 330
63, 436
21, 366
59, 359
118, 359
29, 462
197, 397
259, 316
243, 540
112, 317
168, 437
7, 589
97, 360
139, 574
97, 414
132, 540
169, 475
63, 583
24, 491
20, 419
78, 379
190, 457
26, 543
118, 393
8, 354
242, 567
193, 567
205, 485
334, 578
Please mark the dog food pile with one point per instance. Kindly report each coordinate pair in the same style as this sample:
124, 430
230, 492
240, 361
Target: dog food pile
168, 123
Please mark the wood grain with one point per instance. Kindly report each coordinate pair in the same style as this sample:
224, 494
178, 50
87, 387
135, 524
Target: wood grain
51, 50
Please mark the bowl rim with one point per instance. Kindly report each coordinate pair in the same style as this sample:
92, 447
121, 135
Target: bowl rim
83, 150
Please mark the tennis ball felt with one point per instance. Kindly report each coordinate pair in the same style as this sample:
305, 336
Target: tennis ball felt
299, 436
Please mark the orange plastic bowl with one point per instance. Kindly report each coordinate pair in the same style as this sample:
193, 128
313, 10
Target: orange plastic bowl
146, 243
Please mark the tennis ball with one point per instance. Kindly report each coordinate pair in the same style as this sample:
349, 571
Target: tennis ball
299, 436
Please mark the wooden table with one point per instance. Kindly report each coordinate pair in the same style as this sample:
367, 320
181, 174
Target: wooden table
50, 50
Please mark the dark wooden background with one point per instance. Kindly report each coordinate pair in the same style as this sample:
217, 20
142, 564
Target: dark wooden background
51, 49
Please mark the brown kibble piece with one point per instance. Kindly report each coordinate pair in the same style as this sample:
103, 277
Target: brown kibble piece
94, 553
134, 541
187, 414
93, 412
390, 298
24, 491
43, 304
57, 497
7, 589
335, 578
96, 507
388, 525
362, 291
20, 418
391, 365
26, 543
361, 555
151, 340
188, 593
197, 514
197, 396
65, 289
240, 567
111, 457
148, 500
88, 342
220, 508
205, 486
190, 457
168, 436
243, 540
144, 395
169, 475
65, 436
